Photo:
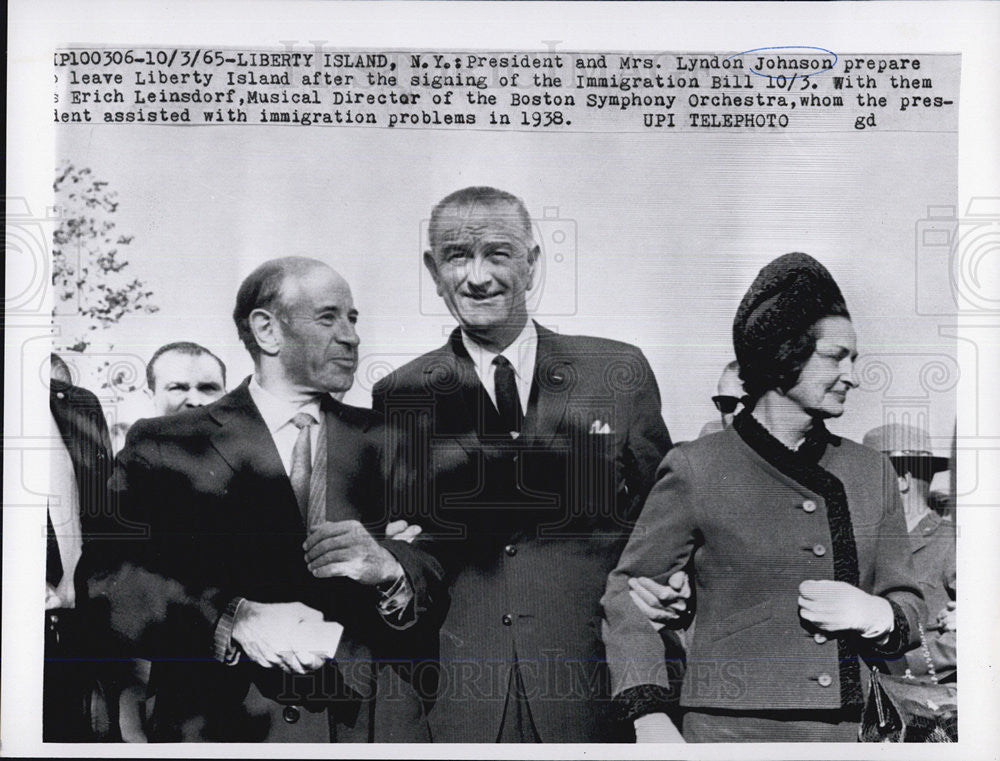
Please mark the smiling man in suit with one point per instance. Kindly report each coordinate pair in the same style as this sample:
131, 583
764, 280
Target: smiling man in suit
251, 578
528, 454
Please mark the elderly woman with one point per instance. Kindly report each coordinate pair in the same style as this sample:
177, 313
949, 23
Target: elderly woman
800, 552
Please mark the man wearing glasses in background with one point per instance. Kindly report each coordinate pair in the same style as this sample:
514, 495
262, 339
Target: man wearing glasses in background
728, 399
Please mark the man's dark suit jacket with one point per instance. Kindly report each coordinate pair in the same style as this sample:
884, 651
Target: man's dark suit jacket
71, 711
526, 529
210, 515
84, 431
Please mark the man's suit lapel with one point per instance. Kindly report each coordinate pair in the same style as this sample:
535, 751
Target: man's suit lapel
246, 445
459, 397
81, 423
549, 390
462, 402
342, 466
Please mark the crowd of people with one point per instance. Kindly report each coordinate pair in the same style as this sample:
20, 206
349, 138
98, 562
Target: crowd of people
508, 547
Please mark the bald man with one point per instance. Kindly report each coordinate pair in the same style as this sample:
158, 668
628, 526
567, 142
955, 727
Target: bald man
253, 579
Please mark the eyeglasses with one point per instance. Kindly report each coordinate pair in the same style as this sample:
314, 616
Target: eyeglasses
726, 404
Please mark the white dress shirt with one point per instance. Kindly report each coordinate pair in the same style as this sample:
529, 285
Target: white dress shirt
521, 355
278, 414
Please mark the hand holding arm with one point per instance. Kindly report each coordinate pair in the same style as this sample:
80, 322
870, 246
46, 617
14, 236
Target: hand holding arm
401, 531
662, 604
347, 549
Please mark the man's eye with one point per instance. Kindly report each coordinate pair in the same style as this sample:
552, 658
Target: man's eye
326, 319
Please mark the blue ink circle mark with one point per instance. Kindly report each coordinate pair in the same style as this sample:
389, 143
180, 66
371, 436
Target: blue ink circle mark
789, 47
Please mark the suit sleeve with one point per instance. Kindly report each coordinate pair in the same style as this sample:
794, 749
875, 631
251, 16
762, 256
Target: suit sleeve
894, 575
661, 543
423, 571
648, 439
137, 588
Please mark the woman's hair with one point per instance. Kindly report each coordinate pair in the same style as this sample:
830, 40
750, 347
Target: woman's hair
774, 332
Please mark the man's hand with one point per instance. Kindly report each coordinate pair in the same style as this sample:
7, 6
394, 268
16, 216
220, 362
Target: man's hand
661, 604
838, 606
947, 617
656, 728
345, 548
52, 599
401, 531
265, 632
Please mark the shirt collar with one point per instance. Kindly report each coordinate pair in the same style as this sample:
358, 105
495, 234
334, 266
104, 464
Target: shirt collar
521, 352
276, 411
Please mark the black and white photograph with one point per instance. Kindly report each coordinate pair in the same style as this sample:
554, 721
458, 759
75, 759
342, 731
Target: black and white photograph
591, 376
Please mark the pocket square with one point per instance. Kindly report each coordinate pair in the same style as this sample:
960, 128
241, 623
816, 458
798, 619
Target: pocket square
597, 427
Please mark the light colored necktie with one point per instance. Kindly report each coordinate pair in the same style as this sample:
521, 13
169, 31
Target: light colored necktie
317, 483
301, 473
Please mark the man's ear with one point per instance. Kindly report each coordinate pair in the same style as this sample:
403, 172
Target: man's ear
534, 254
266, 331
904, 483
431, 264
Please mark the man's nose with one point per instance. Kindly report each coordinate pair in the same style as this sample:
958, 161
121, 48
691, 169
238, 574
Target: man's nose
196, 399
478, 273
348, 335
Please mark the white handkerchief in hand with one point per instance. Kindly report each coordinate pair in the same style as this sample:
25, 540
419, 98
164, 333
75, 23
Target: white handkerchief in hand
321, 637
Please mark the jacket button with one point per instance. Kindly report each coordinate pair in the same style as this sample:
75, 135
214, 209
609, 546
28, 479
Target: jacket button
819, 550
809, 506
510, 549
819, 638
290, 714
508, 619
825, 680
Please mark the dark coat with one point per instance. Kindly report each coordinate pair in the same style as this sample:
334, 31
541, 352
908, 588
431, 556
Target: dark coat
72, 708
84, 431
756, 531
526, 529
207, 514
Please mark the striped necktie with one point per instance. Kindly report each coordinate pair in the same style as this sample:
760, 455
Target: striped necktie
301, 472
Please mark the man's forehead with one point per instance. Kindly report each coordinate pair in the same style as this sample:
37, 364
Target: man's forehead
730, 382
320, 287
176, 365
459, 221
